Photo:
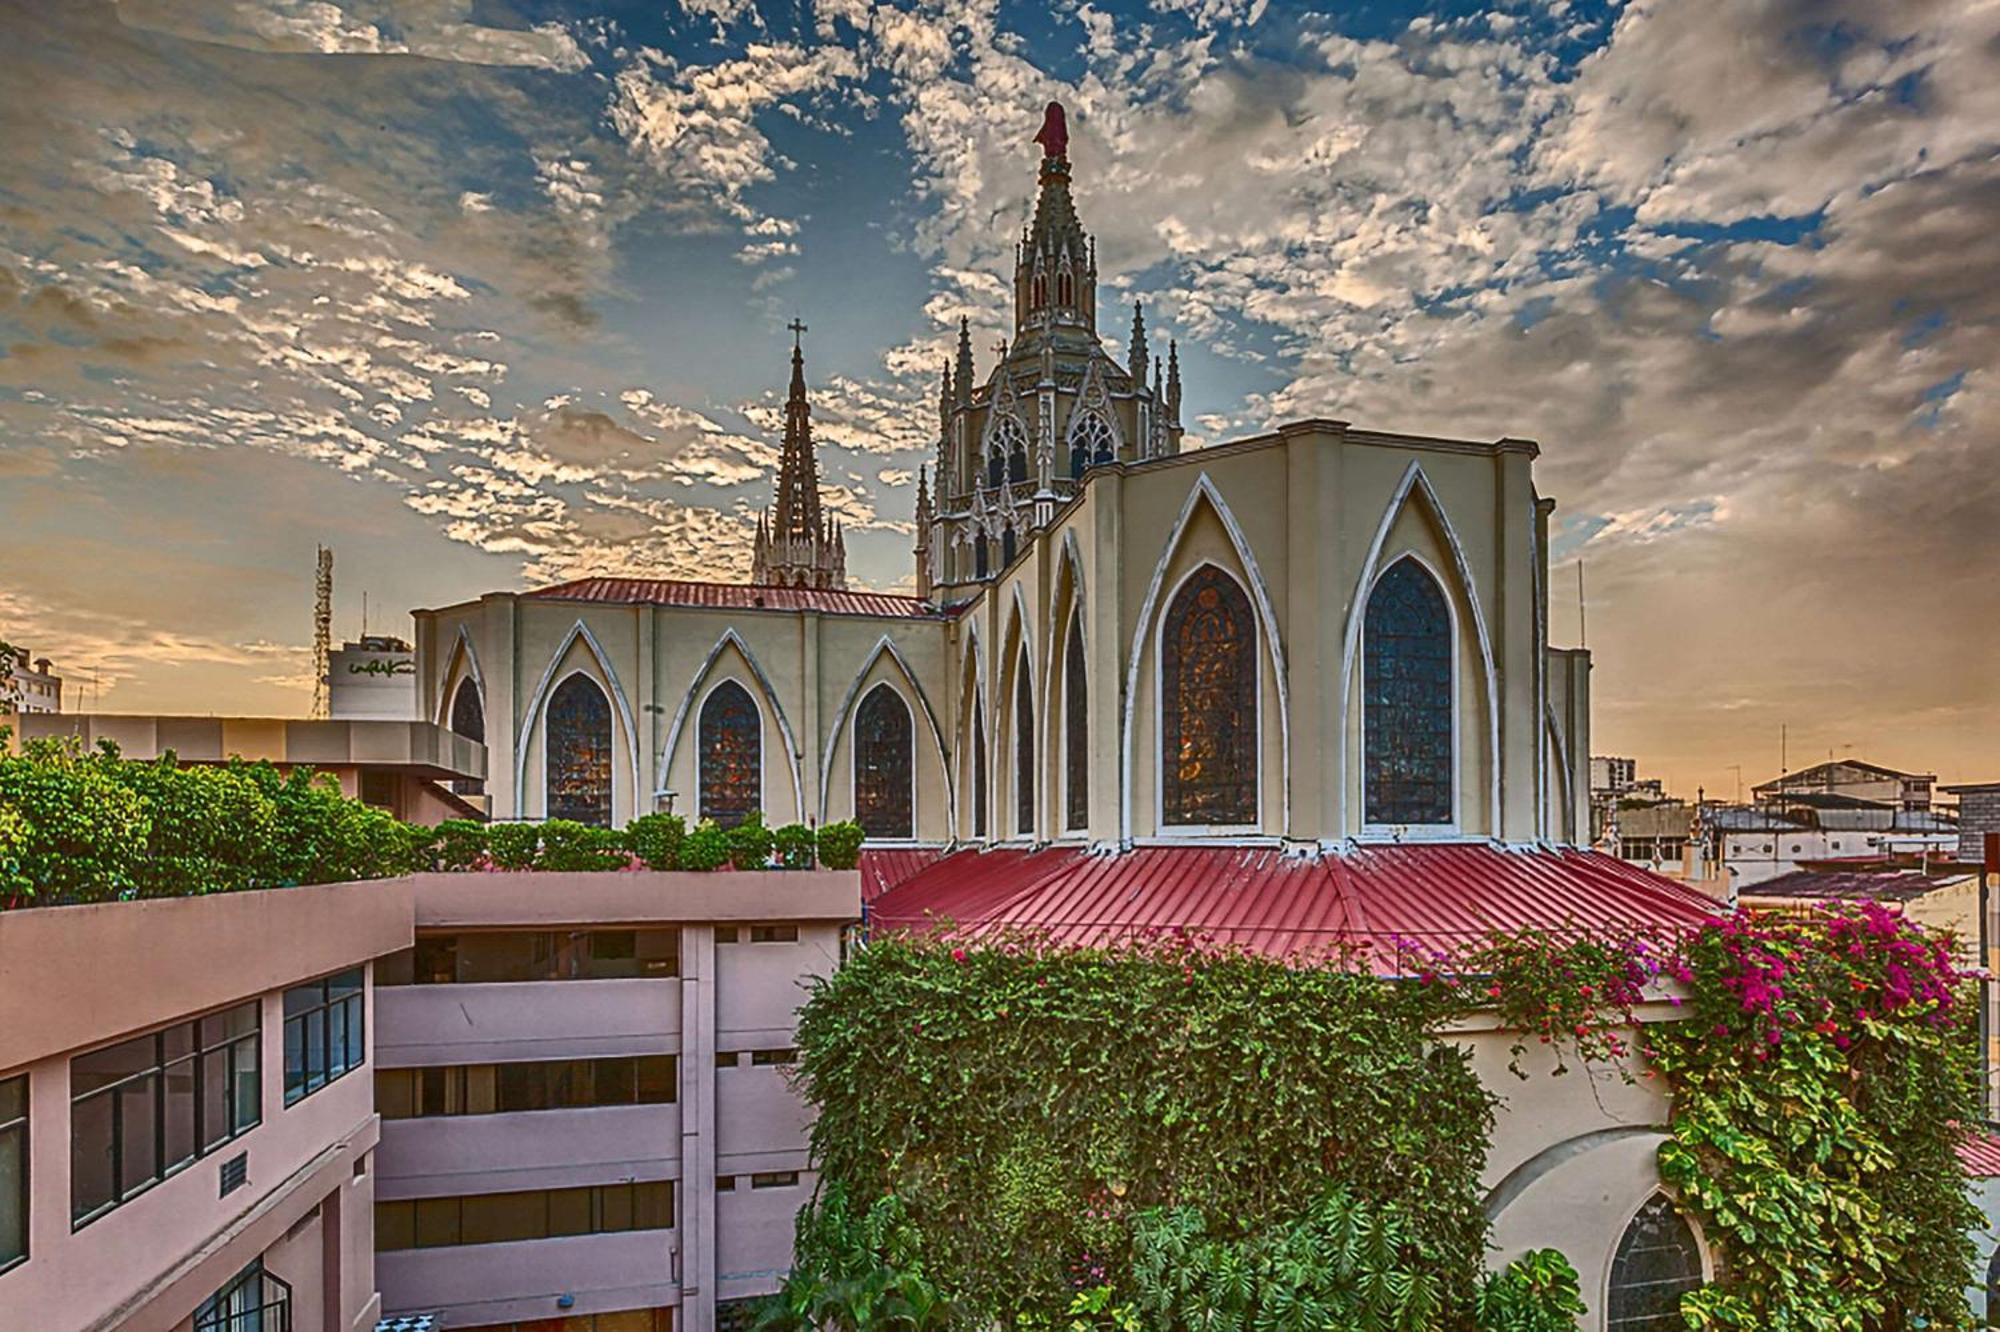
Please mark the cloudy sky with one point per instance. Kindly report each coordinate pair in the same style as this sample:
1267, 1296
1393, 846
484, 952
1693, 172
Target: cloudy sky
486, 295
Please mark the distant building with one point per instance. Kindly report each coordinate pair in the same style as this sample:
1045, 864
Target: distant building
1758, 843
1855, 779
1611, 776
374, 679
35, 686
1978, 814
1946, 901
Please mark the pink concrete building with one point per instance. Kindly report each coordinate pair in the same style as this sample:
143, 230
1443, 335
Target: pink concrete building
187, 1121
587, 1121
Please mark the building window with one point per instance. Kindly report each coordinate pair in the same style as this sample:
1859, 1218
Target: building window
732, 755
468, 719
1008, 449
13, 1170
147, 1107
1657, 1262
978, 769
253, 1301
1406, 699
774, 1058
1208, 704
775, 1179
503, 956
1090, 443
1008, 546
323, 1032
883, 763
578, 741
979, 555
1024, 749
505, 1089
1076, 730
774, 934
500, 1218
996, 467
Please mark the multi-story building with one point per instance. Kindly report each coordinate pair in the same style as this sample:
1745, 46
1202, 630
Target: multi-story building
1853, 779
373, 678
34, 686
583, 1082
1978, 816
187, 1122
1610, 776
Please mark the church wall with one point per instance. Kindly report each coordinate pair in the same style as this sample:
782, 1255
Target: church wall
551, 648
853, 662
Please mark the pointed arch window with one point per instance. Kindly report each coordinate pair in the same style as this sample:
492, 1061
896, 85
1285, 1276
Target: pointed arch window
1658, 1261
468, 719
884, 787
978, 768
1090, 443
1041, 289
1208, 704
1065, 288
1008, 546
980, 558
1024, 749
732, 755
577, 744
1076, 730
1406, 697
1007, 452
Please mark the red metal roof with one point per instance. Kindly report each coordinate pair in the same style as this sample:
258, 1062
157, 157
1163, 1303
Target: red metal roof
1437, 896
882, 870
1980, 1155
735, 596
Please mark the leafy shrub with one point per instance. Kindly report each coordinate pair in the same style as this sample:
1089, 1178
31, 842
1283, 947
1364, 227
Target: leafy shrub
794, 842
321, 836
80, 835
750, 843
840, 845
706, 848
656, 839
1538, 1292
571, 846
869, 1276
459, 844
513, 845
209, 827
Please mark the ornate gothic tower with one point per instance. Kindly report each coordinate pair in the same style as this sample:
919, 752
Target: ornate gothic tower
796, 545
1013, 449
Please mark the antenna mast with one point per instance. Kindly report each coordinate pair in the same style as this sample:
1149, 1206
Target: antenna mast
322, 633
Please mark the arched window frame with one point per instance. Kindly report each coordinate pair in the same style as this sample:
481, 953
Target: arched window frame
1075, 727
1259, 647
909, 757
701, 742
1009, 546
1026, 788
1701, 1249
468, 689
1006, 452
1091, 441
611, 744
982, 558
979, 783
1453, 825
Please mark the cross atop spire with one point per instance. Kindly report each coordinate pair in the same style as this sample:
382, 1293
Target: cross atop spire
797, 327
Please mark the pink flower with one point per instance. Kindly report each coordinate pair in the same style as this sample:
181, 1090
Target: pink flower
958, 955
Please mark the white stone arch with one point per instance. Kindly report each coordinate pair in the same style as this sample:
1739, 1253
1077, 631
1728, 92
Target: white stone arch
1556, 780
1068, 610
532, 720
1415, 483
759, 687
1457, 823
464, 657
1017, 662
1160, 708
843, 720
1204, 491
972, 704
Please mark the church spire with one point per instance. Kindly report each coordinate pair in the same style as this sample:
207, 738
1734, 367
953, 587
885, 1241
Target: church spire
961, 379
1135, 354
798, 545
1173, 382
1055, 275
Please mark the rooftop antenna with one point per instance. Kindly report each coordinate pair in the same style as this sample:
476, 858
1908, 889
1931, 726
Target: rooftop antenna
1582, 624
322, 633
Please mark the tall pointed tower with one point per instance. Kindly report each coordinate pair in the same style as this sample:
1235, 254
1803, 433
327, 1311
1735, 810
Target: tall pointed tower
797, 546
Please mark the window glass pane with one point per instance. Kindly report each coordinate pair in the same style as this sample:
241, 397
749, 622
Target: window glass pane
247, 1096
437, 1222
215, 1124
495, 1218
295, 1059
884, 791
138, 1120
436, 960
101, 1068
345, 983
614, 1207
614, 1081
611, 955
395, 1096
301, 998
1024, 748
315, 1049
1076, 730
13, 1098
730, 781
90, 1162
336, 1042
242, 1019
523, 1087
1208, 704
1657, 1262
355, 1012
479, 1092
13, 1176
495, 957
1406, 699
655, 1078
577, 740
178, 1040
395, 1226
180, 1112
569, 1211
659, 952
653, 1205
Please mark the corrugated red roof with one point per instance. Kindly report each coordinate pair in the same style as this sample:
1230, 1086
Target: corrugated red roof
1437, 895
735, 596
1980, 1155
882, 869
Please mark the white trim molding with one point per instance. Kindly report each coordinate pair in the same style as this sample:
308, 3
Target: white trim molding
731, 637
886, 646
539, 700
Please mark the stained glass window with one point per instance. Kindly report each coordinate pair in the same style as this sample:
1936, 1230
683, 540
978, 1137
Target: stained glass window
1406, 699
1657, 1262
1007, 547
883, 800
1208, 704
468, 718
1024, 749
996, 468
978, 769
979, 557
577, 738
732, 754
1076, 729
1089, 443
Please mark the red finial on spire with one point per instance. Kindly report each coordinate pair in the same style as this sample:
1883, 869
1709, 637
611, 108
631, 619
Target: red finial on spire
1054, 136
